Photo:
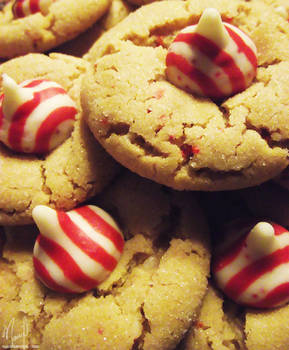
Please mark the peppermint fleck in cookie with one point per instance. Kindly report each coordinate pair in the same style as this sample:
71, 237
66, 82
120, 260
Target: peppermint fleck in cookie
150, 299
44, 24
170, 134
63, 177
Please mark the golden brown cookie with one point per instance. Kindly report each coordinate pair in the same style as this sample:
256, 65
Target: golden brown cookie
281, 7
39, 32
66, 176
150, 299
175, 138
224, 326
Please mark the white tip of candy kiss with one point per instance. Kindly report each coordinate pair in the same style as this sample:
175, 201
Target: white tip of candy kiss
14, 95
46, 220
211, 27
261, 239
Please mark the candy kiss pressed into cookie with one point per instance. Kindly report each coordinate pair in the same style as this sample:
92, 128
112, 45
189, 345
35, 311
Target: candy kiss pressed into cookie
254, 270
35, 116
23, 8
212, 59
76, 250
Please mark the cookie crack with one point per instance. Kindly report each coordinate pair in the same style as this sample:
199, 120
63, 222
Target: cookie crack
13, 212
147, 148
139, 342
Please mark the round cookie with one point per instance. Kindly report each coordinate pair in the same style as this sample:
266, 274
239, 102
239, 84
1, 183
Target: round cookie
150, 299
225, 326
40, 32
68, 175
183, 141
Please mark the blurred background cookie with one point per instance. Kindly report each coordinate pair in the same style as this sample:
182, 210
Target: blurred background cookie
45, 24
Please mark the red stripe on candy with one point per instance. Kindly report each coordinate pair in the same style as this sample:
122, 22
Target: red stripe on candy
17, 126
66, 263
279, 230
34, 83
102, 226
34, 6
243, 47
207, 85
218, 56
87, 245
18, 9
243, 279
19, 118
233, 251
49, 125
44, 275
277, 296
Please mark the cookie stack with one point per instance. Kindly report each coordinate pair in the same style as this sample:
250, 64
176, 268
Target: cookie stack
143, 184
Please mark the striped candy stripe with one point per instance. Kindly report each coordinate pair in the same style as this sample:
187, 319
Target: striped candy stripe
23, 8
39, 124
197, 64
79, 249
255, 281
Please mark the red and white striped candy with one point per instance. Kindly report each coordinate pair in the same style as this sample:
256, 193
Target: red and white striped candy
23, 8
35, 116
76, 250
212, 59
254, 270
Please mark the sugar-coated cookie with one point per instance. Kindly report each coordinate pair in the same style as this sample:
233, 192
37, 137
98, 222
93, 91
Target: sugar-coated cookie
148, 302
177, 138
44, 24
64, 177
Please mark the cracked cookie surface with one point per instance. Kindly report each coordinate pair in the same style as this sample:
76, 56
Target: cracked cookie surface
177, 139
150, 299
38, 33
65, 177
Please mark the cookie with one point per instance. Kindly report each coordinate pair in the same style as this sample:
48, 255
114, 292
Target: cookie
176, 138
150, 299
61, 21
223, 325
280, 6
79, 46
71, 173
